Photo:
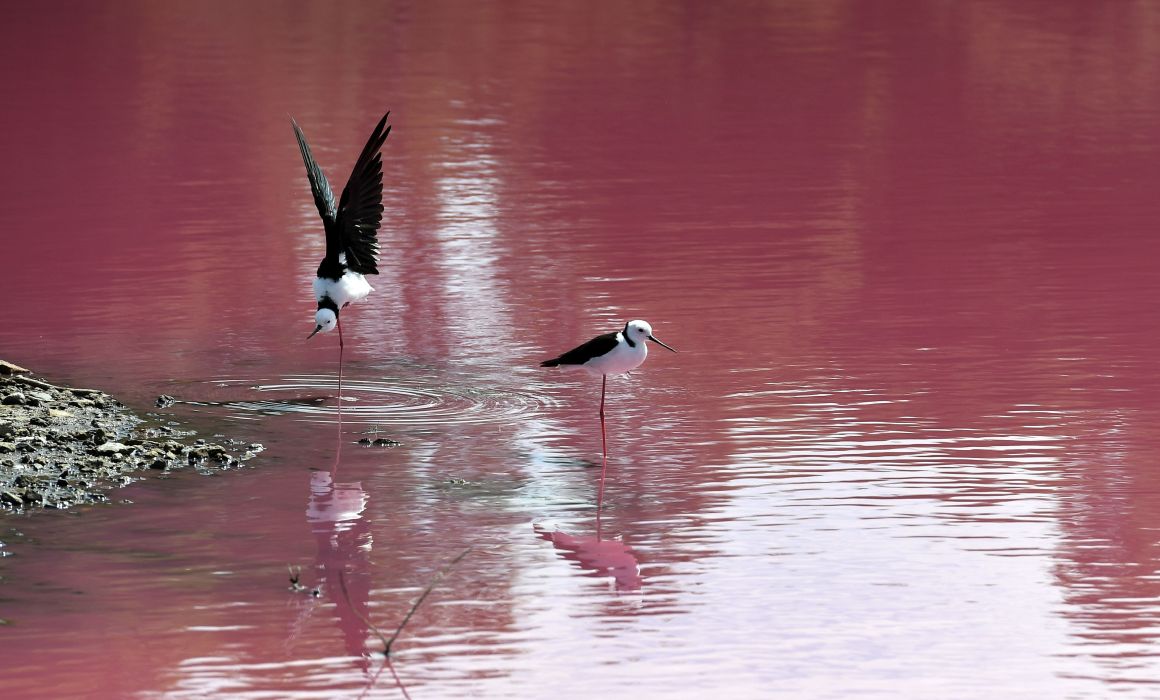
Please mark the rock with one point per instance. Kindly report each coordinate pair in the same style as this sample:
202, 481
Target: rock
6, 447
165, 401
7, 368
15, 398
112, 448
42, 396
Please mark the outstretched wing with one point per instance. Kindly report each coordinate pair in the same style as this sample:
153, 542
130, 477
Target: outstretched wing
323, 197
600, 345
360, 209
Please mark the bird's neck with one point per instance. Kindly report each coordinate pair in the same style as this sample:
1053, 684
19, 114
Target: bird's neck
331, 269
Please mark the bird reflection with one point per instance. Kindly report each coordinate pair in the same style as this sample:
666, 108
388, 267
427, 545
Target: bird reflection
611, 558
334, 513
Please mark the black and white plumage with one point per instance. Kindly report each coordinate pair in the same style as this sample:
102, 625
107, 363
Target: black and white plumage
610, 353
351, 227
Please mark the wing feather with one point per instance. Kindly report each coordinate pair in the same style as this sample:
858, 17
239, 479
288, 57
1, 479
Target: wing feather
360, 209
319, 187
596, 347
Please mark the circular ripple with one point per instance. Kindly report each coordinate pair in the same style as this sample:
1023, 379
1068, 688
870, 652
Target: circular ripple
379, 402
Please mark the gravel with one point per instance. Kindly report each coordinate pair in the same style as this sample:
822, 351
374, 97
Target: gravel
61, 447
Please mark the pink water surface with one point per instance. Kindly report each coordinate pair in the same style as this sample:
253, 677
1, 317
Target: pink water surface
907, 252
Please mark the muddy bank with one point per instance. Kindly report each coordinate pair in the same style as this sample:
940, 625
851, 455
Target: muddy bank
65, 446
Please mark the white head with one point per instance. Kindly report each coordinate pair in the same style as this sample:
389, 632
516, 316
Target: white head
640, 331
326, 320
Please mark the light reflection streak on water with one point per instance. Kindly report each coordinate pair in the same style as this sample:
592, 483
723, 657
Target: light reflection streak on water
468, 191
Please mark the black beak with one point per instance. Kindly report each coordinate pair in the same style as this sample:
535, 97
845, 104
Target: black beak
316, 329
666, 347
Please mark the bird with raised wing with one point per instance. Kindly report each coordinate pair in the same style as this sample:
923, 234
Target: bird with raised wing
351, 225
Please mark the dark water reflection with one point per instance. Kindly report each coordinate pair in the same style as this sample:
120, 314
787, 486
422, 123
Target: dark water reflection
906, 250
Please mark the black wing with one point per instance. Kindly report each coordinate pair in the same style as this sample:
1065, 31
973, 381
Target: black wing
323, 197
600, 345
360, 209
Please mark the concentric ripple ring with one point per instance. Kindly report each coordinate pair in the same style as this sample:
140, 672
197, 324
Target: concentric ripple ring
400, 401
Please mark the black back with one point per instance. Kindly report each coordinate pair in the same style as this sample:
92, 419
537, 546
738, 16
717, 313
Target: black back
600, 345
352, 224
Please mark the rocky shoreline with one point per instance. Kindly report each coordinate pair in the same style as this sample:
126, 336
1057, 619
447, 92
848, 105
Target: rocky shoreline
64, 446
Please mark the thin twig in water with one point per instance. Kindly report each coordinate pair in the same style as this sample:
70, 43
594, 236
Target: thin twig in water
414, 606
346, 595
422, 597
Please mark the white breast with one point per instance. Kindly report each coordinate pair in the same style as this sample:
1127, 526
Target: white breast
352, 287
621, 359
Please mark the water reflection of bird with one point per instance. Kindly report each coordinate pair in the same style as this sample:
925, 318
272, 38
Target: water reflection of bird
351, 227
611, 558
335, 514
610, 353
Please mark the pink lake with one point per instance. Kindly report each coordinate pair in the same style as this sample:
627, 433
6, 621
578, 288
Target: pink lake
906, 250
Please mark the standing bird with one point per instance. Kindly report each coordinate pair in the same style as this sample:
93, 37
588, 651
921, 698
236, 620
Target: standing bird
610, 353
351, 226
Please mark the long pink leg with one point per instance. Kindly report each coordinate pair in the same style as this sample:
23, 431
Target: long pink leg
339, 322
604, 450
339, 369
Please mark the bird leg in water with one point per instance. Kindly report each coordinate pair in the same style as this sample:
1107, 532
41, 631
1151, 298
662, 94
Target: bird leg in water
339, 323
603, 471
604, 452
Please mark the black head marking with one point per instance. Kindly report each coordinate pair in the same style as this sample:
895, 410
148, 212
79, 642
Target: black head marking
627, 337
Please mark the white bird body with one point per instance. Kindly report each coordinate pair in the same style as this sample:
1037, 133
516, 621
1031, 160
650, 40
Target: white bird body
351, 287
620, 359
611, 353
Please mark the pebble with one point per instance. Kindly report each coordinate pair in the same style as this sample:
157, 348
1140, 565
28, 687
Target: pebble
111, 447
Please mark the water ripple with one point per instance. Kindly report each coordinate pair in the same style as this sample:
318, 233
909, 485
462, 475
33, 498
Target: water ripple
395, 401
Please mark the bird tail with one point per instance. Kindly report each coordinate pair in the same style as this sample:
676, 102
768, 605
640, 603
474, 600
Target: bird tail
550, 363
